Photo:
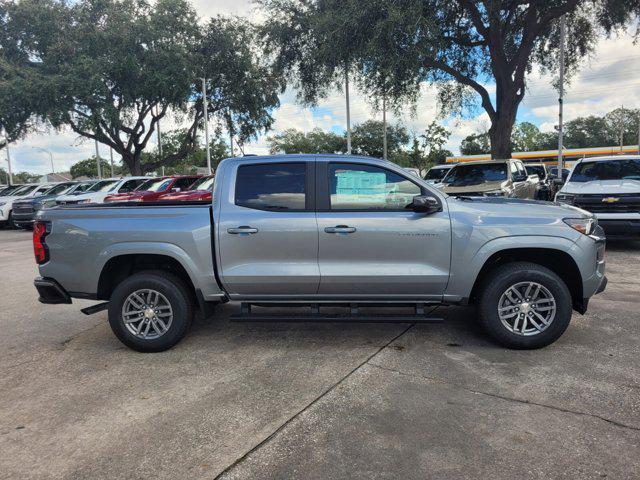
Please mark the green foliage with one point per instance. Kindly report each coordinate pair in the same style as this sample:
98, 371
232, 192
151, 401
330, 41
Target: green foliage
366, 139
316, 141
89, 168
459, 46
475, 144
112, 69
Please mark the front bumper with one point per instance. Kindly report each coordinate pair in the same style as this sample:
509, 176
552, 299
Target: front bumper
50, 291
622, 228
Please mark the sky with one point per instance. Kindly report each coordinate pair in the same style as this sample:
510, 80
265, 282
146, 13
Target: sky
606, 80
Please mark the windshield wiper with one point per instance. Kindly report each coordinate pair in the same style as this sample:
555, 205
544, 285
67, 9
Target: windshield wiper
466, 198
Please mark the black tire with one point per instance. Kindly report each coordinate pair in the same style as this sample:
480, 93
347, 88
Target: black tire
499, 280
10, 222
174, 290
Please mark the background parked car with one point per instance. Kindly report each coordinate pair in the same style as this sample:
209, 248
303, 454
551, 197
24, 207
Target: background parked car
98, 191
201, 190
28, 190
608, 187
547, 187
495, 178
24, 210
7, 189
151, 190
437, 173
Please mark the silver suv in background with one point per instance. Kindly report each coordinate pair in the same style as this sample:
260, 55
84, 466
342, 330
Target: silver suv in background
494, 178
437, 173
608, 187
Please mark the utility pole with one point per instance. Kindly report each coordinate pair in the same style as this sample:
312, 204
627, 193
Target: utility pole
50, 156
205, 109
346, 91
384, 126
159, 141
8, 160
560, 99
111, 158
98, 160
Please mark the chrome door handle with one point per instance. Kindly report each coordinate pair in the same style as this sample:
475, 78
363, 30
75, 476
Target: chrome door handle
340, 229
243, 230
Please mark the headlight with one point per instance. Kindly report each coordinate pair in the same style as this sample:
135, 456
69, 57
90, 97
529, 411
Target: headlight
494, 193
585, 226
565, 198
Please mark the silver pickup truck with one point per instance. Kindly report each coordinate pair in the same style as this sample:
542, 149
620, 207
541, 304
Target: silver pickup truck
322, 231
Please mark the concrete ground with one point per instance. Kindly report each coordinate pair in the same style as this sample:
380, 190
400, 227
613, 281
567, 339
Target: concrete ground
308, 400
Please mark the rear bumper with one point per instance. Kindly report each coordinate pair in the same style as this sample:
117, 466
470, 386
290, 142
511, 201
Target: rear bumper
50, 291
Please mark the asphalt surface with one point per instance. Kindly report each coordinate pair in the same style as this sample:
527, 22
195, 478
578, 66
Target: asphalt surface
308, 400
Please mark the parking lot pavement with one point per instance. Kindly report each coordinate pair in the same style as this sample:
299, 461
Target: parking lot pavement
317, 401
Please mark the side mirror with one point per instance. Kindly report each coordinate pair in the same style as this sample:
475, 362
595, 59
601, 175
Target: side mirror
425, 204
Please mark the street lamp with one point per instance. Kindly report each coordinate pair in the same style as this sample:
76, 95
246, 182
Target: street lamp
50, 156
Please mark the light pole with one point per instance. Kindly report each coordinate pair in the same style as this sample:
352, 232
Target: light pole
98, 159
6, 146
50, 156
205, 110
346, 94
561, 95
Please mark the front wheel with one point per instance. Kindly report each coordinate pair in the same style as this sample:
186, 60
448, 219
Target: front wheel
524, 305
151, 311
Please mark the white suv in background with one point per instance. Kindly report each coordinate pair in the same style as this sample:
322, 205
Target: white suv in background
608, 187
99, 190
28, 190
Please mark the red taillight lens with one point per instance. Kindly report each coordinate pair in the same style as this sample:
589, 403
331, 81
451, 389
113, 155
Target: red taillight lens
40, 249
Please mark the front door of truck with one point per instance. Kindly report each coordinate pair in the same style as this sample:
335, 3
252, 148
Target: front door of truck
370, 244
267, 231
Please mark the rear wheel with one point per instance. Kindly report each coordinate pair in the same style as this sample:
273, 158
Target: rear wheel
525, 305
151, 311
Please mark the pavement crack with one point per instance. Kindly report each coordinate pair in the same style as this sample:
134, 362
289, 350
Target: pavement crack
65, 343
510, 399
300, 412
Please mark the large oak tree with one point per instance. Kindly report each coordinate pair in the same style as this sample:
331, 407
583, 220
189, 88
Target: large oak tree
112, 69
462, 46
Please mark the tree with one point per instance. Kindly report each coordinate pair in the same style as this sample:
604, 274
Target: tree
622, 125
367, 139
89, 168
110, 70
458, 45
475, 144
434, 138
316, 141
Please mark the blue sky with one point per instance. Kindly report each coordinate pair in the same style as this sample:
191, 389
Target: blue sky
606, 81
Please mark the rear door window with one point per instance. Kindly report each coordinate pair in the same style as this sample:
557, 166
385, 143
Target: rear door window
272, 186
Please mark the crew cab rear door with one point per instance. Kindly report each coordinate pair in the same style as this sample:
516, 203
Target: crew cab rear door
370, 244
267, 229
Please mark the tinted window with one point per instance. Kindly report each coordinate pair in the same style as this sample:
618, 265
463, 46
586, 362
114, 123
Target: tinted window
184, 183
536, 170
606, 170
204, 183
436, 173
59, 189
365, 187
274, 186
464, 175
24, 190
129, 185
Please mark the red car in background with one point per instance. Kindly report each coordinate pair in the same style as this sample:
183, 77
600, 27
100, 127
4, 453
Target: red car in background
153, 188
201, 190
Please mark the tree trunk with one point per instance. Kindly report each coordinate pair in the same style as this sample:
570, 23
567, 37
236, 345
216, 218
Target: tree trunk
132, 162
502, 124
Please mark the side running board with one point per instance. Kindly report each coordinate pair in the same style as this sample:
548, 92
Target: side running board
352, 315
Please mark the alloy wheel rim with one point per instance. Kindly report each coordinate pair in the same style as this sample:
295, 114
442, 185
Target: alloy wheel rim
527, 308
147, 314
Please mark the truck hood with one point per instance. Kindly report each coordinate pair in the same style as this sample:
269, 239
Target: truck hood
476, 188
517, 208
602, 187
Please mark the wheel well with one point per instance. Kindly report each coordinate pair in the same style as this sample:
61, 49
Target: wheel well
123, 266
557, 261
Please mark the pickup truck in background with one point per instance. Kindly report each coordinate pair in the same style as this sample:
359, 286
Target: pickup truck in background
608, 187
494, 178
322, 230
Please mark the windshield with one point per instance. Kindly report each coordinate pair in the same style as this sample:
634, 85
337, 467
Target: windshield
628, 169
80, 187
536, 170
155, 185
476, 174
436, 173
24, 190
204, 183
60, 189
102, 186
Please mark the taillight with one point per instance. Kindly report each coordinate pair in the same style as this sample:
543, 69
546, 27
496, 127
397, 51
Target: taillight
40, 249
